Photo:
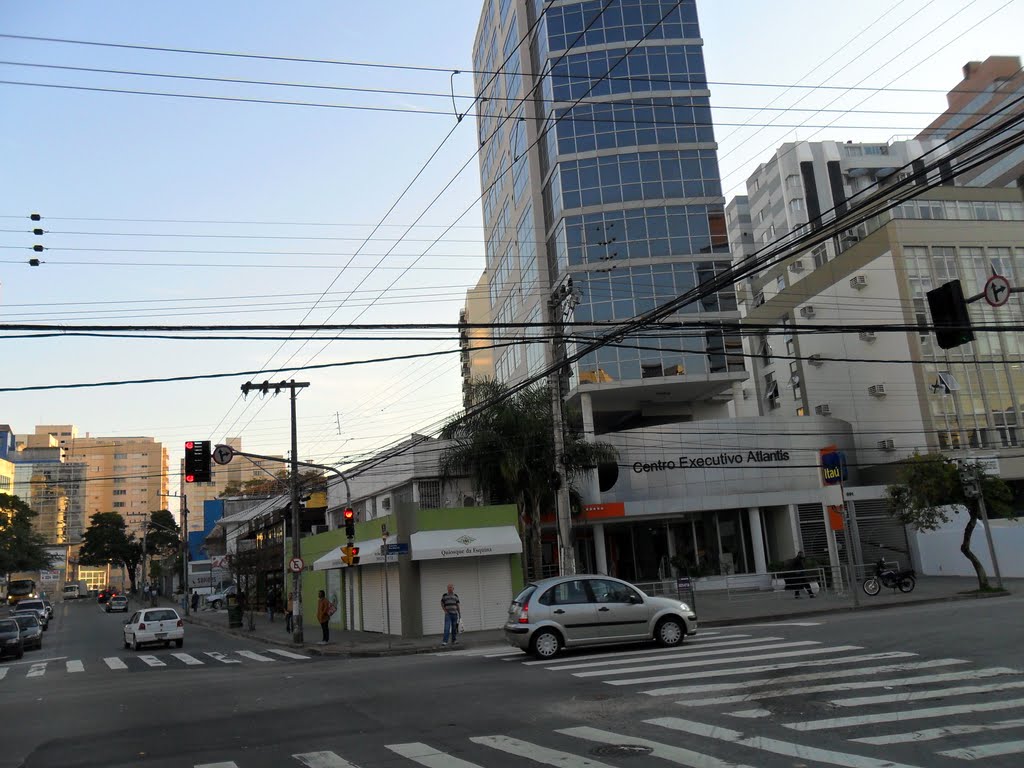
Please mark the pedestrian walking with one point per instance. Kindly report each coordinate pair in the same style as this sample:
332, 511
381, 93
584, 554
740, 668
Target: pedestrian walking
195, 601
271, 605
452, 615
800, 581
323, 615
289, 620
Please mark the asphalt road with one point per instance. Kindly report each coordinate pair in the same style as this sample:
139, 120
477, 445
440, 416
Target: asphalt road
927, 686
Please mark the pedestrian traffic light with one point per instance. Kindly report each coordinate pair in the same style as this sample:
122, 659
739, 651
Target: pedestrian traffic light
949, 315
350, 522
197, 461
353, 555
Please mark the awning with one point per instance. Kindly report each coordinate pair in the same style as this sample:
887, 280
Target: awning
466, 542
369, 554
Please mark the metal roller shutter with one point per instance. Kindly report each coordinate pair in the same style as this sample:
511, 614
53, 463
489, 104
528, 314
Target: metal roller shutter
435, 575
881, 535
372, 596
495, 591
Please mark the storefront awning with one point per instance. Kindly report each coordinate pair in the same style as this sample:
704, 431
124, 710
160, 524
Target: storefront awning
369, 554
466, 542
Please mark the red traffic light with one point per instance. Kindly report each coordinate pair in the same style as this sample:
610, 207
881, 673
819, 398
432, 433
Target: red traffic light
189, 445
349, 514
190, 478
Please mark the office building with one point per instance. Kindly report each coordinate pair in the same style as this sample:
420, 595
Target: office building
55, 489
476, 354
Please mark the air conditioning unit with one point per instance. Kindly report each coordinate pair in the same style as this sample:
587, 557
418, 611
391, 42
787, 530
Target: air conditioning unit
807, 311
823, 410
816, 360
319, 529
385, 503
886, 445
859, 282
867, 335
797, 266
877, 390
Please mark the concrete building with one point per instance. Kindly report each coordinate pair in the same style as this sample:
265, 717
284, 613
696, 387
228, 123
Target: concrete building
235, 474
476, 356
995, 85
55, 489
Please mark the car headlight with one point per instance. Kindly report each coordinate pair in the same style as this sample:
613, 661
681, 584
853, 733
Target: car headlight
12, 641
685, 607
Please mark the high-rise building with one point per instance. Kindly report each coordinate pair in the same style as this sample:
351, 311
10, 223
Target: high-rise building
476, 355
991, 91
224, 477
54, 489
615, 202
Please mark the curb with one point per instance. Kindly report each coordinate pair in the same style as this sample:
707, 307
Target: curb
850, 609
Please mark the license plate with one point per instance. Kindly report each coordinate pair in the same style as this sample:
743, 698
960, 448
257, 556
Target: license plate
161, 635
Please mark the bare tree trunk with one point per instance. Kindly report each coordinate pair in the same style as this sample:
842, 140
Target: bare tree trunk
965, 548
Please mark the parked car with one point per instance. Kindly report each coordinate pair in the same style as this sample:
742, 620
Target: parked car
118, 603
49, 609
10, 639
220, 599
154, 625
31, 630
36, 607
106, 594
582, 610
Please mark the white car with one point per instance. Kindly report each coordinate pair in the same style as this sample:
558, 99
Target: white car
154, 625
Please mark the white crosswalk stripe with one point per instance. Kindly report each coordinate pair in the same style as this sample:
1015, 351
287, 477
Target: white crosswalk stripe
323, 760
654, 652
930, 734
986, 750
287, 654
74, 666
537, 753
152, 661
222, 658
115, 663
218, 765
3, 672
678, 755
37, 670
186, 659
426, 755
254, 656
942, 693
758, 644
904, 715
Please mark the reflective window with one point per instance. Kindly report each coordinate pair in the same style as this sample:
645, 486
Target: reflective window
566, 593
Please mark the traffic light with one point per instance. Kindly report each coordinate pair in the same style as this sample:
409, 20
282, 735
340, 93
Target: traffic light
350, 522
197, 461
949, 315
350, 555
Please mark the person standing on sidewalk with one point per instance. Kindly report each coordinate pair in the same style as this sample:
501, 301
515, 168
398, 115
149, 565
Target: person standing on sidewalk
800, 580
323, 615
271, 604
195, 601
452, 614
288, 618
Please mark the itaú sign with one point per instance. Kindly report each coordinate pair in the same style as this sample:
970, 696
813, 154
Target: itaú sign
723, 459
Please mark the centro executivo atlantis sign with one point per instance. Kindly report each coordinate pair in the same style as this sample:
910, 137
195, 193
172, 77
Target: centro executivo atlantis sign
724, 459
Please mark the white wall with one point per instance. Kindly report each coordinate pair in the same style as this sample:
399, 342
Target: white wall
937, 553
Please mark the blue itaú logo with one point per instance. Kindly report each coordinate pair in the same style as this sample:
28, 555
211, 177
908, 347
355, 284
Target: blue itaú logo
833, 467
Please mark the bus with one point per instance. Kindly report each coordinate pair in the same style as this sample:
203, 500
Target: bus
20, 589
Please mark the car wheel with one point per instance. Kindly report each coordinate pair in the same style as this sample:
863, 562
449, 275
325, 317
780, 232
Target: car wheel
215, 605
670, 632
179, 643
545, 644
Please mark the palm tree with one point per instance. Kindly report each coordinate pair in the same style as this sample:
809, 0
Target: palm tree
508, 450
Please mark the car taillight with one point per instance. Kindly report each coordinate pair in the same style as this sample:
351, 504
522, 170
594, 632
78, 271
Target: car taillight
523, 618
142, 626
180, 624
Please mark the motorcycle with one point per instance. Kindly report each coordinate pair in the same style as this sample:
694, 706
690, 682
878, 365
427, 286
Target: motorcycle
904, 581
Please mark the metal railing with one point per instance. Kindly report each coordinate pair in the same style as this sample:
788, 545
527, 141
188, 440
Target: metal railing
738, 586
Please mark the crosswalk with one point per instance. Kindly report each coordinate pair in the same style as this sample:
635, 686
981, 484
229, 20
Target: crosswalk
875, 702
142, 661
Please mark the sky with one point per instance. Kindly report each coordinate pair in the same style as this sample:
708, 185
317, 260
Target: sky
128, 185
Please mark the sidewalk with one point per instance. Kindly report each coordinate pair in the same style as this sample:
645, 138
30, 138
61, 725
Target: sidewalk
714, 609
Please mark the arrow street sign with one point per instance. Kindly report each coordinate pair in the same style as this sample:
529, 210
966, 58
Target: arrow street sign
295, 565
997, 291
222, 454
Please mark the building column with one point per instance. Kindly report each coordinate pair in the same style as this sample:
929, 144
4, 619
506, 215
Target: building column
757, 539
600, 553
796, 542
591, 490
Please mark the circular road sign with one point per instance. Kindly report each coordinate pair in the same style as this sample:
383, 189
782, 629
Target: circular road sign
222, 454
295, 565
997, 291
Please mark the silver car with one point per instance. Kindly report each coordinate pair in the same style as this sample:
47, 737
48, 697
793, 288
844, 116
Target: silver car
575, 611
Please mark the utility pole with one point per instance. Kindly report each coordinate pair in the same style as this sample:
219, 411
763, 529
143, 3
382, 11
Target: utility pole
293, 387
563, 296
184, 545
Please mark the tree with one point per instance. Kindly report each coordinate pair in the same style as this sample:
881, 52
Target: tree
106, 541
22, 548
508, 449
163, 534
930, 484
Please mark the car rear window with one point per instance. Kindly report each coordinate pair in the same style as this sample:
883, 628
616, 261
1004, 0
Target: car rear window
523, 596
165, 615
8, 625
26, 620
33, 604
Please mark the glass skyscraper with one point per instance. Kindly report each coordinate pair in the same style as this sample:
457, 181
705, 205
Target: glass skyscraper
620, 192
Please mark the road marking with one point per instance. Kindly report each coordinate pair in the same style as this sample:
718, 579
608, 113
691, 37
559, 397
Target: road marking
3, 672
654, 653
35, 661
218, 765
115, 663
223, 659
254, 656
749, 714
75, 666
539, 754
834, 674
152, 661
286, 654
987, 750
929, 734
428, 756
188, 659
964, 690
907, 714
323, 760
786, 748
677, 755
659, 662
899, 682
37, 670
777, 624
758, 669
729, 660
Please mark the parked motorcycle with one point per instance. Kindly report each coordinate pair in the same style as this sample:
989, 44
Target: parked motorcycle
904, 581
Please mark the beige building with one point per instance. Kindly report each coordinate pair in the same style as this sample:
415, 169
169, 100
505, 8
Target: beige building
127, 475
236, 473
476, 357
6, 477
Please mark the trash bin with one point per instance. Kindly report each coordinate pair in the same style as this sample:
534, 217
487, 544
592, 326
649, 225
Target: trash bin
234, 615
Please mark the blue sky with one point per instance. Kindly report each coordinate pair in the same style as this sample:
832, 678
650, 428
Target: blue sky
95, 156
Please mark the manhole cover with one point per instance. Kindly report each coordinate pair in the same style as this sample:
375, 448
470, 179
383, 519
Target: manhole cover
620, 750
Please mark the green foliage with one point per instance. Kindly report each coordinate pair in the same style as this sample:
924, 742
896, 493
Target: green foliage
22, 548
163, 534
107, 541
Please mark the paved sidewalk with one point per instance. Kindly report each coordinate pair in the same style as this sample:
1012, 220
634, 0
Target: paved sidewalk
713, 609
